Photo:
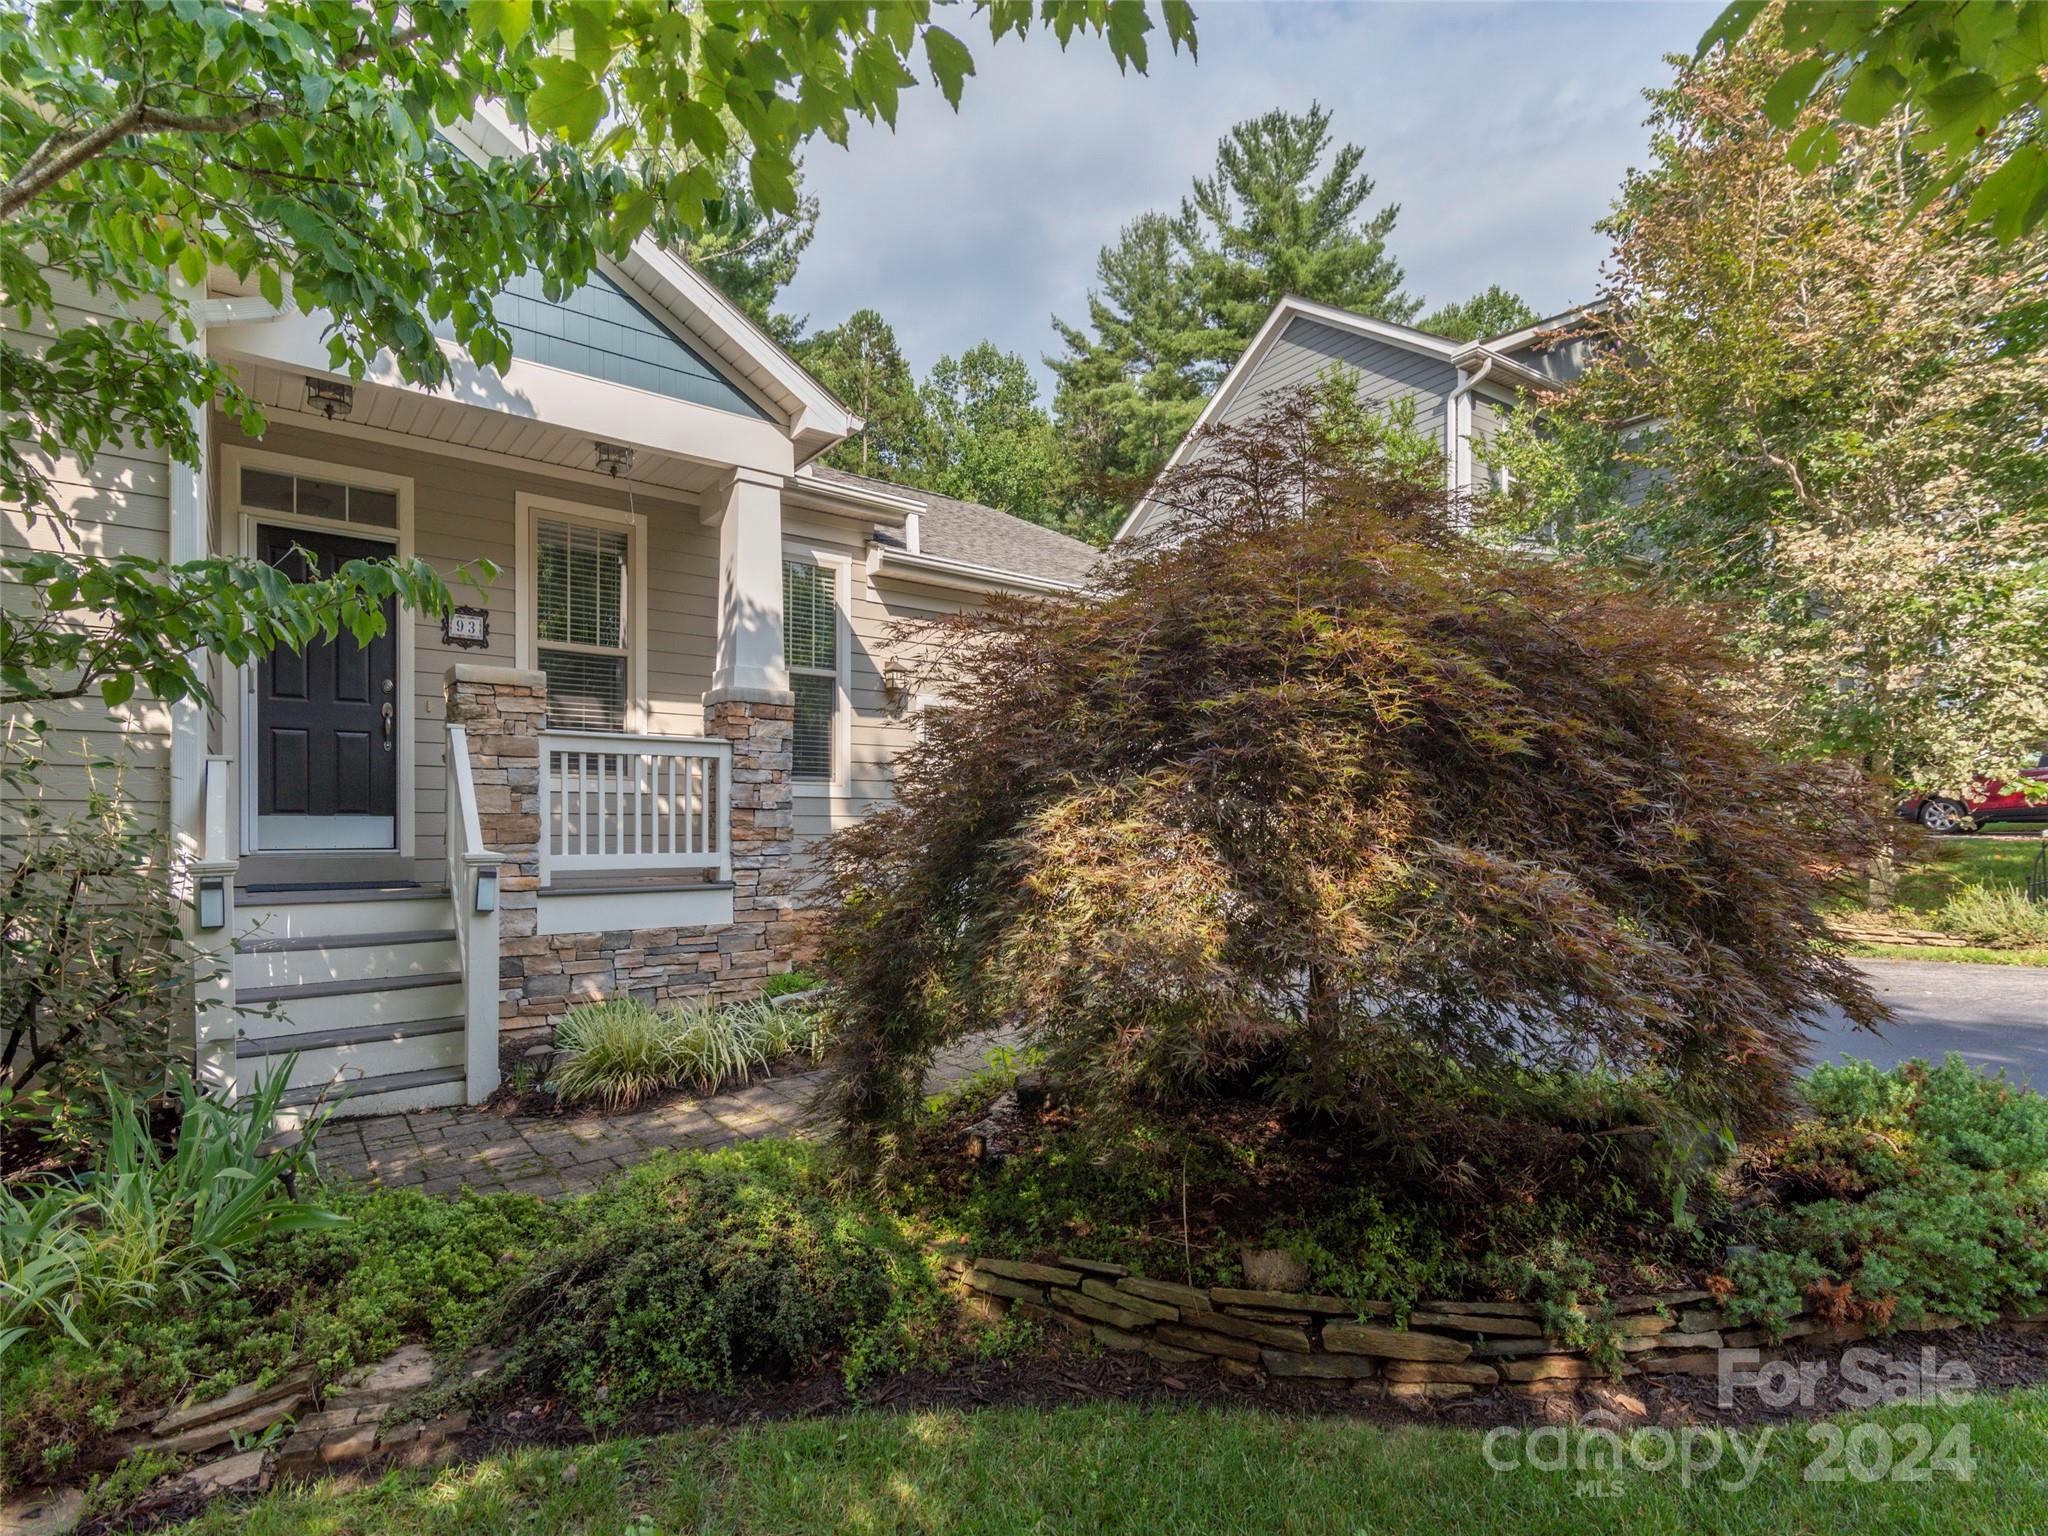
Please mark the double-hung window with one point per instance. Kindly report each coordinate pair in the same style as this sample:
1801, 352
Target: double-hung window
810, 638
581, 582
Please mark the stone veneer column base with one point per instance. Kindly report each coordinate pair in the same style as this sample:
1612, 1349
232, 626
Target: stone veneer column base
544, 975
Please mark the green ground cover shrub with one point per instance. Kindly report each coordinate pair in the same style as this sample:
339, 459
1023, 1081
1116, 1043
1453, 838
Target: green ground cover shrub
1912, 1192
397, 1266
790, 981
1178, 1194
698, 1269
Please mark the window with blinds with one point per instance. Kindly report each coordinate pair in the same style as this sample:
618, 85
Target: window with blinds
579, 596
810, 640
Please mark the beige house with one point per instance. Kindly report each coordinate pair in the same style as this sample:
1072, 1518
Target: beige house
599, 776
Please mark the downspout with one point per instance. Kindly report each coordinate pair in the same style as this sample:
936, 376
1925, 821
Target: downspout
1458, 425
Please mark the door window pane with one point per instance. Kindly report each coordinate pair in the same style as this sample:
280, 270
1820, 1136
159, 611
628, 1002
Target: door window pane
377, 508
323, 498
267, 490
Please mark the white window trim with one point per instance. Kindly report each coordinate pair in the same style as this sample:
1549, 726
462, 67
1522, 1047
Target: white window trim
528, 507
840, 785
240, 521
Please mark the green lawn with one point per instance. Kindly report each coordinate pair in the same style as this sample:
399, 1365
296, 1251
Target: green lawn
1159, 1470
1956, 863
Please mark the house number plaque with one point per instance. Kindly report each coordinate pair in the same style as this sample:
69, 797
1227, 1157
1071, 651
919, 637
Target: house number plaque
469, 628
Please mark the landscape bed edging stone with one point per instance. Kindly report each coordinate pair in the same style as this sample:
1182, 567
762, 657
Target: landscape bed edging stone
1448, 1349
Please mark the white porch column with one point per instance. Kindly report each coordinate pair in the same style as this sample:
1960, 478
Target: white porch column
750, 664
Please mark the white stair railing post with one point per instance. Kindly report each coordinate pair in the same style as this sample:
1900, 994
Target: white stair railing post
473, 889
211, 924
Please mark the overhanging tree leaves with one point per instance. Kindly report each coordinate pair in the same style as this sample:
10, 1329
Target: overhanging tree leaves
1974, 73
1323, 802
300, 145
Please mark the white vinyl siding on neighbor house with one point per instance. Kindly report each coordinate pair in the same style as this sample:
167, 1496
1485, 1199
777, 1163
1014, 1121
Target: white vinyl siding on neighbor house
1308, 349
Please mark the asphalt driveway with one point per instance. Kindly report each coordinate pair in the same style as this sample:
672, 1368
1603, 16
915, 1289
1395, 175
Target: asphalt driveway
1995, 1015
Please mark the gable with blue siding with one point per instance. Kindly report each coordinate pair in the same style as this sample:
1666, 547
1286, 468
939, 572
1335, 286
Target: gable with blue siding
601, 333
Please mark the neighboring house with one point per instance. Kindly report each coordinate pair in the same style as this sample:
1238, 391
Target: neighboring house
600, 776
1459, 391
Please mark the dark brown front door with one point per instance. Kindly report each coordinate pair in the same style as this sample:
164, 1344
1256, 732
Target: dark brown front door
327, 730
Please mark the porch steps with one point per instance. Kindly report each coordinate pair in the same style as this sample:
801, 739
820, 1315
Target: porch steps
363, 984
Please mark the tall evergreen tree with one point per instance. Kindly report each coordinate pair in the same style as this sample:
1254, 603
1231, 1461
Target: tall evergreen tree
1181, 294
1492, 313
1271, 221
859, 361
1132, 382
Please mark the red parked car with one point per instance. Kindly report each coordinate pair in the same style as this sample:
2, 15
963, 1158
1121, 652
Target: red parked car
1986, 801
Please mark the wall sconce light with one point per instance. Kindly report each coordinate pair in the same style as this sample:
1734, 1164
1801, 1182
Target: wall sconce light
895, 684
213, 902
327, 395
486, 891
613, 459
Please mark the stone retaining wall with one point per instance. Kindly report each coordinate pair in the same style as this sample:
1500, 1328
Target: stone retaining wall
1447, 1349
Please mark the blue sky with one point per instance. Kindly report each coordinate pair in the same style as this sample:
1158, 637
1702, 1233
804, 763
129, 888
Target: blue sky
1502, 130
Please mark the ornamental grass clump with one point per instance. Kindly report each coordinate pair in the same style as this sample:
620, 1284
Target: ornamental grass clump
1318, 800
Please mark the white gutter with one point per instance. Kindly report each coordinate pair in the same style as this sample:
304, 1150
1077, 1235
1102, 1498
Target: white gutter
1458, 427
937, 570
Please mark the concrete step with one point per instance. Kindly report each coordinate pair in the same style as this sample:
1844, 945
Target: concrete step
390, 1094
360, 1055
342, 1004
266, 964
327, 914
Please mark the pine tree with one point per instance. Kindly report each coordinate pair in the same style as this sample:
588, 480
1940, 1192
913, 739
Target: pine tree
1128, 391
1269, 226
1181, 294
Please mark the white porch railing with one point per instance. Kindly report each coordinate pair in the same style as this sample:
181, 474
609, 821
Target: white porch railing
473, 889
613, 801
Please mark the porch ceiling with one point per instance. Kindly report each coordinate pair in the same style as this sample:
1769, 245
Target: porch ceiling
437, 421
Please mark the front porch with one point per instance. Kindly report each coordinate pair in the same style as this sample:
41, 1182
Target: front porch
578, 787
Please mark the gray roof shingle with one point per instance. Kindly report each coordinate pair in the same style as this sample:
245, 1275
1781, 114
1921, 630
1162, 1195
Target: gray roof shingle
978, 535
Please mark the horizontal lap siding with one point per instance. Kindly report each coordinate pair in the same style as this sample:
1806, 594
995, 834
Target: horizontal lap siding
119, 505
1308, 349
464, 511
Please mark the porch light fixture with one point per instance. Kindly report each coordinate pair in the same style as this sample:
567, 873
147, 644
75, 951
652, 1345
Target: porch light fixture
486, 891
213, 902
613, 459
895, 684
336, 399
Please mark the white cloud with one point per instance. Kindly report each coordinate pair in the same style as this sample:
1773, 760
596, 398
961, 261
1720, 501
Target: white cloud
1502, 130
